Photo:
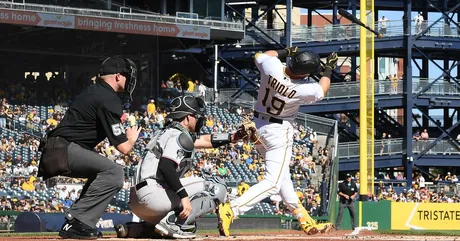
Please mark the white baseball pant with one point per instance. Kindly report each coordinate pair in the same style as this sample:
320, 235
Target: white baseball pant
152, 202
276, 148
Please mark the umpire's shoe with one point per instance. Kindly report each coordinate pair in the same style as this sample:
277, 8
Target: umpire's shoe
74, 229
169, 229
225, 216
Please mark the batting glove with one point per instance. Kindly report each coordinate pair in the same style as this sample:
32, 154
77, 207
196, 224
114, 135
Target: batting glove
331, 61
291, 51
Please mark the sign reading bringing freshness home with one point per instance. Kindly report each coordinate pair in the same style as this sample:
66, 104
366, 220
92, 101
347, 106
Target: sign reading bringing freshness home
103, 24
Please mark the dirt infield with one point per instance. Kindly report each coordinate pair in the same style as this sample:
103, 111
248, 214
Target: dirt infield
278, 235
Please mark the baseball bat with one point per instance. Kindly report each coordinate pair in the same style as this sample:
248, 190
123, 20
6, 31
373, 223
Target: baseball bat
353, 19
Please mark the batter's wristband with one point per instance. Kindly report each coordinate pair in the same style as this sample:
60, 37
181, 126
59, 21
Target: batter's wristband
282, 53
327, 73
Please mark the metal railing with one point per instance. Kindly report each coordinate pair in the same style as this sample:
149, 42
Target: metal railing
351, 89
394, 147
122, 14
341, 32
388, 87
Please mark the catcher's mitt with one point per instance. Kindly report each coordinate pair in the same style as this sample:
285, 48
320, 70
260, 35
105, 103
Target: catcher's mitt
247, 131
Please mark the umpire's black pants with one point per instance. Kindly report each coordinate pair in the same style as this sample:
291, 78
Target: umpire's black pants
351, 209
105, 179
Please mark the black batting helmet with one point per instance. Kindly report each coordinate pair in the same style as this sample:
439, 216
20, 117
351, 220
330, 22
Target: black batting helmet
305, 62
185, 105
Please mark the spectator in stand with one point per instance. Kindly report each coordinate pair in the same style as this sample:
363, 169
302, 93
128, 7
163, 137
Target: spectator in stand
29, 185
190, 86
63, 193
242, 187
424, 137
151, 108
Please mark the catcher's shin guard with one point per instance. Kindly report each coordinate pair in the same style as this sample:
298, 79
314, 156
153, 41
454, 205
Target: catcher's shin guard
306, 223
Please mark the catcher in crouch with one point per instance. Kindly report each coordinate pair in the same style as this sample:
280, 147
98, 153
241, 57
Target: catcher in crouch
168, 203
282, 91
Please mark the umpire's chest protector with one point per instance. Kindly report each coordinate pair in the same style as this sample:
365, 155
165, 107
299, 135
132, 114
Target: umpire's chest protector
172, 144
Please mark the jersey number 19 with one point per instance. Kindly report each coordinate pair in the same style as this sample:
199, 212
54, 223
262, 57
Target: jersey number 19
276, 104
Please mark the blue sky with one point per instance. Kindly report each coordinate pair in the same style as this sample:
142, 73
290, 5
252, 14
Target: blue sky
434, 72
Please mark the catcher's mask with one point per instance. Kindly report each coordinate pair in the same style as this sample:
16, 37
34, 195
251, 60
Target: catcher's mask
123, 66
305, 62
185, 105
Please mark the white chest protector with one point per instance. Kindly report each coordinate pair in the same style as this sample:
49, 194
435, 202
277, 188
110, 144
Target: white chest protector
173, 143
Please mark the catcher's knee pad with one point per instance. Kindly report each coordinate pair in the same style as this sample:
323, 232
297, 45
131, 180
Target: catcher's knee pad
216, 188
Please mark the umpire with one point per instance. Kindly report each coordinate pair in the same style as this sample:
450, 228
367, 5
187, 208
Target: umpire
68, 150
347, 193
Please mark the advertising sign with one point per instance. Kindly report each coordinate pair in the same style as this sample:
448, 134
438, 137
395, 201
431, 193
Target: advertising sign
103, 24
429, 216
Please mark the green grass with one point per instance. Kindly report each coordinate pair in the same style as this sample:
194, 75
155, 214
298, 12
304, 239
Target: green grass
421, 232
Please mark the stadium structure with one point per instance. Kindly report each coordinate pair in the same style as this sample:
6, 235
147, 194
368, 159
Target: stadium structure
409, 50
214, 41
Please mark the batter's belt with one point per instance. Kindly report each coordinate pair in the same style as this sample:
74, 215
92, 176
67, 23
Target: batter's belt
269, 119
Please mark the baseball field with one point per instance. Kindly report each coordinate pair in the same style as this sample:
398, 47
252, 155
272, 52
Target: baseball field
281, 234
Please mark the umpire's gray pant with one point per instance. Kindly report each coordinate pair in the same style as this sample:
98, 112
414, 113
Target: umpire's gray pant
351, 209
105, 179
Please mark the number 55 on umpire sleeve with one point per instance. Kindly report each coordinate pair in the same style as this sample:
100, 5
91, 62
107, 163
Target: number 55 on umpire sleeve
276, 104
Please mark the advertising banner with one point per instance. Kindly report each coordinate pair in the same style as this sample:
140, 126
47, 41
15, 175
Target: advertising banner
427, 216
104, 24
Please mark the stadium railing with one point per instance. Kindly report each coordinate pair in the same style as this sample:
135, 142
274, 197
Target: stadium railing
394, 147
420, 86
339, 32
124, 14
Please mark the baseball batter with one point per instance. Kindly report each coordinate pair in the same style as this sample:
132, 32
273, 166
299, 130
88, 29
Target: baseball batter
167, 202
282, 91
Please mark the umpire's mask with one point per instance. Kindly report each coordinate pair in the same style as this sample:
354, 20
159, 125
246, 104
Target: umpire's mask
124, 66
185, 105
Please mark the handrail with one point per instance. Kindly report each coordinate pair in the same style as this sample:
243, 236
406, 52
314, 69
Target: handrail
121, 15
381, 87
340, 32
394, 147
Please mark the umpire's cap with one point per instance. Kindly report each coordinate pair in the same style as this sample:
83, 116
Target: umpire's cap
185, 105
305, 62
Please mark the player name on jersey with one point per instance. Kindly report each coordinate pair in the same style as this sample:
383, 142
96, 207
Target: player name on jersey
280, 88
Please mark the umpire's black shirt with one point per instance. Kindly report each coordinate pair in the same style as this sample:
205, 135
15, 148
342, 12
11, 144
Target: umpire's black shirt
348, 188
94, 115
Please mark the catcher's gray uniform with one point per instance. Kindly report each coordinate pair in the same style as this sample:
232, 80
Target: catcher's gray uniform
154, 202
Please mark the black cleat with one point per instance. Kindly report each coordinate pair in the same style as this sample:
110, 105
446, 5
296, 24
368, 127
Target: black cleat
122, 230
77, 230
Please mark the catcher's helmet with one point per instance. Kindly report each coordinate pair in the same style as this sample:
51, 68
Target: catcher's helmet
305, 62
185, 105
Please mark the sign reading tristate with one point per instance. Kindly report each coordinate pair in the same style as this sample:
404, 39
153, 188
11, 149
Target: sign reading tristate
103, 24
427, 216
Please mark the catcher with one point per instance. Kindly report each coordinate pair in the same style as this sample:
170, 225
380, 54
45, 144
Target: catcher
168, 203
282, 91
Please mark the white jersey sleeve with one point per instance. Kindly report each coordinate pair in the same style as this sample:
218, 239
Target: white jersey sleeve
279, 96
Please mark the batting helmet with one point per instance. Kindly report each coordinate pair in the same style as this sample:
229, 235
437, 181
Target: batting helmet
304, 63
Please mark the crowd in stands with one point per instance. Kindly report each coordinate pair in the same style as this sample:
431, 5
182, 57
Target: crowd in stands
417, 192
22, 125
